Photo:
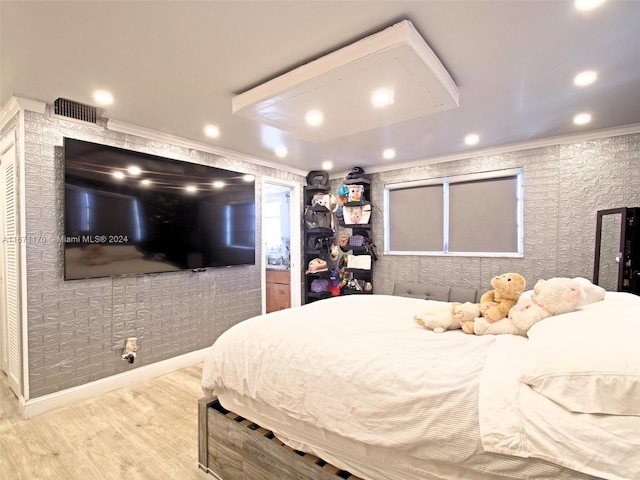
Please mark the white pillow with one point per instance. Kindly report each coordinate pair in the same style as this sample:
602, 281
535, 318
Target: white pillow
588, 361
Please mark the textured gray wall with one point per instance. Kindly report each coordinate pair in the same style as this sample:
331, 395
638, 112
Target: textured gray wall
564, 187
77, 329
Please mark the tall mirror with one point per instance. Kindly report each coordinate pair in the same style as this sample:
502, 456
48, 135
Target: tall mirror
609, 246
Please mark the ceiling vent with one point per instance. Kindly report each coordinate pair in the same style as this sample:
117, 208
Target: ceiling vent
76, 110
340, 86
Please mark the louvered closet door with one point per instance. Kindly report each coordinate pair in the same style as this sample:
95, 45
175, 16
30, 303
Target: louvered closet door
10, 274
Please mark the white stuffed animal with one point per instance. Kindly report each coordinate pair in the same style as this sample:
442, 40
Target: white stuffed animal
592, 293
447, 316
550, 297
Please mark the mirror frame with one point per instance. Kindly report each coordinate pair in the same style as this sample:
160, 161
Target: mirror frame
596, 264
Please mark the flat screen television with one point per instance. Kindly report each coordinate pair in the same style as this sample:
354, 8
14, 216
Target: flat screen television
129, 213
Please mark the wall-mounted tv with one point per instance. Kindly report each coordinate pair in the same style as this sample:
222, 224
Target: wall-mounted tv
128, 213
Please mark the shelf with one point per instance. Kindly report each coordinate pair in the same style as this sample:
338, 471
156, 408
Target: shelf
325, 274
363, 226
320, 230
357, 181
318, 208
318, 295
355, 250
350, 291
318, 188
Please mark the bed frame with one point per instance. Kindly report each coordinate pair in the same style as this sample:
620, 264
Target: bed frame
233, 448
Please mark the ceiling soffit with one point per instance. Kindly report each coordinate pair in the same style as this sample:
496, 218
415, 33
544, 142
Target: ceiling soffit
341, 84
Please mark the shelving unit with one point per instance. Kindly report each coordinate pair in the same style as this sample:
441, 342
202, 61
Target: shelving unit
361, 276
311, 249
358, 280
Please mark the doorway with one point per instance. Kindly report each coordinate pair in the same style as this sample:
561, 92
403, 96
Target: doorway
280, 245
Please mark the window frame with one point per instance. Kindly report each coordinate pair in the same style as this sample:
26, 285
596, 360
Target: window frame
446, 181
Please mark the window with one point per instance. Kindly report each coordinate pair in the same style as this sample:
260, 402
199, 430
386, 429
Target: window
272, 226
456, 215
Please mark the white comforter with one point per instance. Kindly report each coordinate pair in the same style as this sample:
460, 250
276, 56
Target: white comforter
359, 367
355, 365
592, 353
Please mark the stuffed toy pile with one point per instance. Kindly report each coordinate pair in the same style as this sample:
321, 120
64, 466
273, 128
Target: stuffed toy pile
504, 310
447, 316
495, 304
550, 297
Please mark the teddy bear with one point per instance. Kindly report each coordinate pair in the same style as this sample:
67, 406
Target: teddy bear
550, 297
495, 304
447, 316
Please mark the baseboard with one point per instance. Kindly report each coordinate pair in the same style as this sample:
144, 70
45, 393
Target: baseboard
64, 398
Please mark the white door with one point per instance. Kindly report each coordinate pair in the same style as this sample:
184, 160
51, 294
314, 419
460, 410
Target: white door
9, 252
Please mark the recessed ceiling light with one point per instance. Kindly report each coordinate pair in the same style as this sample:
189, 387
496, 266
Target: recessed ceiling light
145, 182
134, 170
582, 118
585, 78
389, 153
327, 165
212, 131
191, 188
118, 174
249, 178
585, 5
314, 118
281, 151
218, 184
382, 97
471, 139
102, 97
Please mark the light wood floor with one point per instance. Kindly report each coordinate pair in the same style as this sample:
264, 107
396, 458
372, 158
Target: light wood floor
145, 432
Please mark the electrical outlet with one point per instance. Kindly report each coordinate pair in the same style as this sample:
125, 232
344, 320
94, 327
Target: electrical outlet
131, 344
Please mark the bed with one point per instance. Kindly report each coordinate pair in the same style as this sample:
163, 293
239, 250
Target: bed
350, 387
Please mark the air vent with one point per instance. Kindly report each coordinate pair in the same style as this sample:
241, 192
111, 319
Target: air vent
79, 111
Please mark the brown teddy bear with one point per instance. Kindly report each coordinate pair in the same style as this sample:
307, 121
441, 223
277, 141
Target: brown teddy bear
495, 304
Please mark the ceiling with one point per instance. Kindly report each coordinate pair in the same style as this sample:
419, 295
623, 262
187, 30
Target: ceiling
174, 67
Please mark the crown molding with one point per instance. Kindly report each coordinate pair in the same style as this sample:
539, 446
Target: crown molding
131, 129
511, 147
15, 104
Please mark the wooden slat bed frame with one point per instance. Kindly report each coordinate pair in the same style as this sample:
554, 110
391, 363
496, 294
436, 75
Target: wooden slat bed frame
233, 448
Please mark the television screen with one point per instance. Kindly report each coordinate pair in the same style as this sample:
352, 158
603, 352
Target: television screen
127, 212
